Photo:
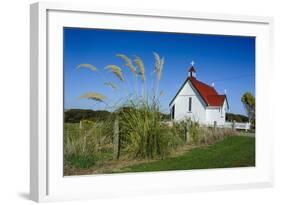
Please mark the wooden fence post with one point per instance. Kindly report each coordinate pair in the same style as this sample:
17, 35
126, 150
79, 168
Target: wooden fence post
186, 135
215, 125
116, 140
233, 125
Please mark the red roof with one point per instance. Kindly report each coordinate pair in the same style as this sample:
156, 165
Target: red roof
208, 93
216, 100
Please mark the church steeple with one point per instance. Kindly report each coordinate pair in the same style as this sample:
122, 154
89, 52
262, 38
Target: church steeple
192, 71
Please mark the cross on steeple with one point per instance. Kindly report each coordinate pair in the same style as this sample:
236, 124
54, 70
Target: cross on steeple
192, 71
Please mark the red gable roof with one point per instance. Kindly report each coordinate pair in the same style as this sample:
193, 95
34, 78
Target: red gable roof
208, 93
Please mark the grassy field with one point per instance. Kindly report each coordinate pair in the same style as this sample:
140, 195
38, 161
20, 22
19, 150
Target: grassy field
235, 151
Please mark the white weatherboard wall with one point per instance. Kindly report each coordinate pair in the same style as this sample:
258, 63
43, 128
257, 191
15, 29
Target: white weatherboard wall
181, 105
216, 114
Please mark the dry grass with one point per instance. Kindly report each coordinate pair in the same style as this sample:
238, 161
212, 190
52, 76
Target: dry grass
208, 135
129, 63
159, 63
117, 71
94, 96
140, 64
88, 66
111, 84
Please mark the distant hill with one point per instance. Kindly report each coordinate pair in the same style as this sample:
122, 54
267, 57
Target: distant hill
76, 115
237, 117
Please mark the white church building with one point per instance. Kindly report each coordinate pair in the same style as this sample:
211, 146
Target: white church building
199, 102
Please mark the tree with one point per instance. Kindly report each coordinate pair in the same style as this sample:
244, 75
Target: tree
249, 103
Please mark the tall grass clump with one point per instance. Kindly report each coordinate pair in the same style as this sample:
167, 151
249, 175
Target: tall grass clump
143, 135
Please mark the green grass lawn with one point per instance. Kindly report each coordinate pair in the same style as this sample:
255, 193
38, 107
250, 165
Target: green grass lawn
232, 152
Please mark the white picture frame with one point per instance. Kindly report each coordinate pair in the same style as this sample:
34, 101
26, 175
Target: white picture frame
47, 182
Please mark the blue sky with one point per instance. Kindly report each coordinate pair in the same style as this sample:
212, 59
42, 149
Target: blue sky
228, 61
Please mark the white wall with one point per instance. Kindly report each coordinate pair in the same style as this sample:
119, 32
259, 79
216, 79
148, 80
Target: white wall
14, 121
216, 114
182, 102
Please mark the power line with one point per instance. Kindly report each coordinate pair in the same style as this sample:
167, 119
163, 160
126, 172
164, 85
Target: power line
235, 77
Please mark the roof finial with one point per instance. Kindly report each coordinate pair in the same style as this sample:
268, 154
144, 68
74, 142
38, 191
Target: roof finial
192, 63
